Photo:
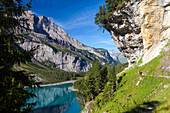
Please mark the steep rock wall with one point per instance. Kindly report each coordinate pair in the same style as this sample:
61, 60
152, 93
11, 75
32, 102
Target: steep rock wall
139, 27
62, 60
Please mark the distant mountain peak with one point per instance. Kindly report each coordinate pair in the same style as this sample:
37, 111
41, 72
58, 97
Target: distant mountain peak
118, 56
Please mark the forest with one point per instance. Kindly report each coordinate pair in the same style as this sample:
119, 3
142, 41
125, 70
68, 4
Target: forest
48, 74
98, 78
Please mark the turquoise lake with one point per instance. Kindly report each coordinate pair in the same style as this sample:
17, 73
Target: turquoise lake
55, 99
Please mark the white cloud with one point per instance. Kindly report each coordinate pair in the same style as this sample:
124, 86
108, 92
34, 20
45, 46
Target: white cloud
108, 41
78, 20
105, 42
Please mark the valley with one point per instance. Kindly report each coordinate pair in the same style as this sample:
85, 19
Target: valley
90, 56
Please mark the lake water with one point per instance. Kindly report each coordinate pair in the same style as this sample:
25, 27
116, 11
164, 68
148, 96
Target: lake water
55, 99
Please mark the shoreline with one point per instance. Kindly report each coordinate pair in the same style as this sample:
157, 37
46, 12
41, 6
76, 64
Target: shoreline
60, 83
72, 89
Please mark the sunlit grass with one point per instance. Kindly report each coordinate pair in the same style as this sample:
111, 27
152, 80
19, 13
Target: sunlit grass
130, 97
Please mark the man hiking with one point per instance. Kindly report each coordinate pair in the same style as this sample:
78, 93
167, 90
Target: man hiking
140, 73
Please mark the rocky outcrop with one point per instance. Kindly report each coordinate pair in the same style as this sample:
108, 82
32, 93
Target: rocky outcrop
155, 29
53, 45
139, 27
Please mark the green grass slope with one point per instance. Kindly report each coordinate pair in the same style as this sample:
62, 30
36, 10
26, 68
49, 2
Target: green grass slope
151, 95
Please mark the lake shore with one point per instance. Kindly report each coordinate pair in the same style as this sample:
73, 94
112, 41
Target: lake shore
72, 89
60, 83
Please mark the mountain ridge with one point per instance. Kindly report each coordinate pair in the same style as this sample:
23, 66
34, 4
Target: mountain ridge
53, 44
118, 56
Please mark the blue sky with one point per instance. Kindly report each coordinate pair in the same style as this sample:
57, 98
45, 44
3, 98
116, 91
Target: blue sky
76, 17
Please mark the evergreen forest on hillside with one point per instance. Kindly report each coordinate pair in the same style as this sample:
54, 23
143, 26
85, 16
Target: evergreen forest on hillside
98, 78
48, 74
104, 90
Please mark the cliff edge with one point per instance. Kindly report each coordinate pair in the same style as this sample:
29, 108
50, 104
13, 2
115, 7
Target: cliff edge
141, 28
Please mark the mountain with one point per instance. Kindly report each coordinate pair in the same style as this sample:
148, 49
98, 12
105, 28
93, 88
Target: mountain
54, 46
117, 56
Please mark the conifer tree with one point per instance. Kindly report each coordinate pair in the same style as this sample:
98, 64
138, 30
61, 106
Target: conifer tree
101, 17
106, 11
13, 96
97, 76
91, 86
111, 74
82, 93
90, 83
103, 73
111, 77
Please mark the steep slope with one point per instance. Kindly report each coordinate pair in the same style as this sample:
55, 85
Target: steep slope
137, 93
53, 44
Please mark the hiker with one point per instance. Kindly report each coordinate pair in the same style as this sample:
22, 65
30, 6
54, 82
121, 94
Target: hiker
140, 73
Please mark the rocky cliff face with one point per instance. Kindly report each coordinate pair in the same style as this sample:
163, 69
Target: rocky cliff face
141, 28
62, 60
54, 45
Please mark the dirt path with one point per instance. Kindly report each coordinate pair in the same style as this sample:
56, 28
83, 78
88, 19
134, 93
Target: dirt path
157, 75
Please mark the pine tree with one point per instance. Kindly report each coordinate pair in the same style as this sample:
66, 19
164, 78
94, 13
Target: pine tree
90, 87
101, 17
90, 90
97, 76
81, 94
106, 11
111, 77
112, 74
103, 73
13, 96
